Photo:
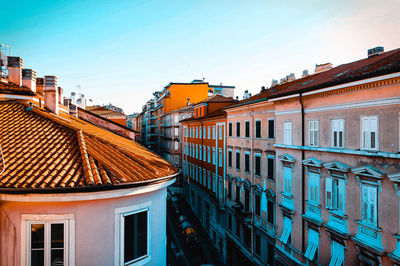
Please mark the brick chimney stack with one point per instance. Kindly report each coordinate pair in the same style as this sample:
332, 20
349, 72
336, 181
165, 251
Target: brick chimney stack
60, 95
14, 66
51, 93
39, 85
29, 79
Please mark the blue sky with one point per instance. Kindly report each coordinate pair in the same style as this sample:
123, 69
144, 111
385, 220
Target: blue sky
122, 51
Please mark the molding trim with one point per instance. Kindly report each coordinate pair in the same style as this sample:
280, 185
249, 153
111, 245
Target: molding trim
383, 154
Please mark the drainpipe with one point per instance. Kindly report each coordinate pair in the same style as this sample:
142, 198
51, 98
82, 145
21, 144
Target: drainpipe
302, 170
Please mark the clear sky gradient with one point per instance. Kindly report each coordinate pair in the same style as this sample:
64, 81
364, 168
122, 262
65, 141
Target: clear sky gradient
120, 52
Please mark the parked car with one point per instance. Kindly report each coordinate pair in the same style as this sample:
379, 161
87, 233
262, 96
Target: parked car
191, 237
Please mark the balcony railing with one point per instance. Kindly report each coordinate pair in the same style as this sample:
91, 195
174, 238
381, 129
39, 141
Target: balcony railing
287, 201
313, 211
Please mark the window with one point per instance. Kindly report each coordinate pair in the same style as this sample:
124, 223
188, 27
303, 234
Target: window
313, 187
176, 145
246, 199
337, 254
209, 180
369, 204
313, 243
247, 162
270, 211
213, 132
237, 129
209, 154
270, 167
214, 183
229, 158
257, 164
335, 193
229, 190
197, 132
48, 239
237, 160
257, 205
258, 128
220, 157
176, 118
313, 133
230, 129
247, 129
214, 156
209, 136
204, 153
219, 132
176, 131
287, 133
200, 155
204, 132
271, 128
237, 196
287, 180
369, 132
200, 132
287, 230
197, 152
133, 233
338, 133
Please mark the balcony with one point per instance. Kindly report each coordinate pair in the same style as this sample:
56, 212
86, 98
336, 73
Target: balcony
264, 225
337, 223
369, 236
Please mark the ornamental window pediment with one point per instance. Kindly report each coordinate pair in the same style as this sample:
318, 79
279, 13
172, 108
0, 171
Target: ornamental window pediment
368, 171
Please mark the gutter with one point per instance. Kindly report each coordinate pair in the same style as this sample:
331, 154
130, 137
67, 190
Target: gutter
302, 171
88, 188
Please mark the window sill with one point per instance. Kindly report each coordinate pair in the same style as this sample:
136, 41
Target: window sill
259, 176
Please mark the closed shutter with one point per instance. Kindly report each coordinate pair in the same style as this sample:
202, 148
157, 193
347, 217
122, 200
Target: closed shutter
328, 193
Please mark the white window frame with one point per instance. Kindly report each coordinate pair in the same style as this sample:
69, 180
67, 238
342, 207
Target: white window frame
209, 132
369, 188
69, 236
220, 132
366, 138
338, 125
204, 153
204, 132
214, 157
176, 145
200, 130
287, 132
213, 132
119, 230
335, 192
313, 133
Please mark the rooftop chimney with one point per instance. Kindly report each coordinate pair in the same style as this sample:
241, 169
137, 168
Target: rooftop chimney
60, 95
274, 82
323, 67
291, 77
262, 88
305, 73
39, 85
246, 94
29, 79
51, 93
14, 69
375, 51
73, 98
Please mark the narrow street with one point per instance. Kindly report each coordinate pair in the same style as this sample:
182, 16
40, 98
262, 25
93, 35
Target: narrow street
178, 251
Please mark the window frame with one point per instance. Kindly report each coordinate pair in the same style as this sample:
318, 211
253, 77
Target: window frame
247, 129
258, 131
237, 162
269, 130
313, 133
259, 157
288, 138
69, 236
118, 233
341, 128
376, 133
230, 129
271, 157
238, 129
230, 158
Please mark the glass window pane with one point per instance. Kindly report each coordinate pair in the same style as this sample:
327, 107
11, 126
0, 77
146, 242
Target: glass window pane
135, 238
57, 257
37, 257
37, 236
57, 236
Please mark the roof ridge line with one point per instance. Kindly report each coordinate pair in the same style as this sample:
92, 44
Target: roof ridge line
85, 158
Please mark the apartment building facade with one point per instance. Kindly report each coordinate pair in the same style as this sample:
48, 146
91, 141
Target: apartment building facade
171, 134
338, 165
204, 167
250, 201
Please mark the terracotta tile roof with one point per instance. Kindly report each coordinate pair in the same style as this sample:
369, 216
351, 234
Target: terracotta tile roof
385, 63
100, 110
11, 88
45, 151
218, 113
216, 99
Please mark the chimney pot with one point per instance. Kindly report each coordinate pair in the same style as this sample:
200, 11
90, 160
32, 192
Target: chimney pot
39, 85
51, 93
14, 65
29, 79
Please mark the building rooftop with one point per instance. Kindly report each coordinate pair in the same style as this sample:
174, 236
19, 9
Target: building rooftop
378, 65
11, 88
45, 152
101, 110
